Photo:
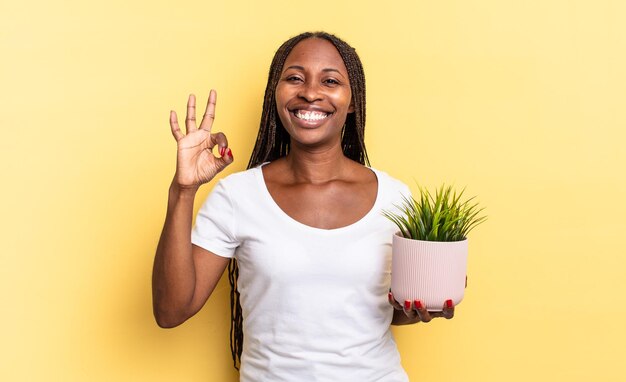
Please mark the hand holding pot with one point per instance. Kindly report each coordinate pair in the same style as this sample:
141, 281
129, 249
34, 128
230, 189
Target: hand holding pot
415, 311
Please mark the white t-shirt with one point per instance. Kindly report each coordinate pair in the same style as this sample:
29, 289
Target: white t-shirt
314, 301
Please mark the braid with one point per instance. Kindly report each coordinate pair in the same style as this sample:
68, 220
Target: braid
236, 332
273, 142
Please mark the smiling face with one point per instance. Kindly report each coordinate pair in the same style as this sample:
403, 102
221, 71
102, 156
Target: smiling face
313, 95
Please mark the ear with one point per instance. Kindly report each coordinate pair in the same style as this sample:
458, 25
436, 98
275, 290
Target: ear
351, 107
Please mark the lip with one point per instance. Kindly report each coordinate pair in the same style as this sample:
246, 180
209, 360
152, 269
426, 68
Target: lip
309, 108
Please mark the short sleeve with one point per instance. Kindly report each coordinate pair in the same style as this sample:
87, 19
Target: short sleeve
215, 224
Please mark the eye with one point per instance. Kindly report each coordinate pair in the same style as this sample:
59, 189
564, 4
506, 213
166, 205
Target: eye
293, 79
331, 81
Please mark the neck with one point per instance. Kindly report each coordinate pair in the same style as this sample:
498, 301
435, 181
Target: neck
316, 165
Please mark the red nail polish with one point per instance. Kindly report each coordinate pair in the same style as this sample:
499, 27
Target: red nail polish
230, 154
418, 305
390, 296
407, 304
222, 150
449, 304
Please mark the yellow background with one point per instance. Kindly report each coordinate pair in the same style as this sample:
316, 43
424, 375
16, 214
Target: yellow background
522, 101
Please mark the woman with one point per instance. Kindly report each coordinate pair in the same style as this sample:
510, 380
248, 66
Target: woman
304, 224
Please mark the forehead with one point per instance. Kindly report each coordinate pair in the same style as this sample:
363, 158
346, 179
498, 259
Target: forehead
315, 53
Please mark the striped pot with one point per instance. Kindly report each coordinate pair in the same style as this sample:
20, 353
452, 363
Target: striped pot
429, 271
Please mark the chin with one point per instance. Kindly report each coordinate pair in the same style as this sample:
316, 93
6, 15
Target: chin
315, 140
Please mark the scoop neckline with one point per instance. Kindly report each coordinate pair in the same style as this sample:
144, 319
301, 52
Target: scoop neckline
279, 211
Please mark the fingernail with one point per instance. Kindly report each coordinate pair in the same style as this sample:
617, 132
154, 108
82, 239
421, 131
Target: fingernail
230, 154
449, 304
222, 151
407, 304
390, 296
418, 305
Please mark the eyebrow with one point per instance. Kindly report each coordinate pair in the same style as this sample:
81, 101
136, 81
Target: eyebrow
298, 67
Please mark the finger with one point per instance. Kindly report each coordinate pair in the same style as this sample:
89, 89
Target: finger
221, 141
410, 313
448, 309
396, 305
178, 135
423, 314
225, 160
190, 121
209, 113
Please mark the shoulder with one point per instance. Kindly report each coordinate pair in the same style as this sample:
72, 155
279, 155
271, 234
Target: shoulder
240, 181
389, 183
391, 191
234, 189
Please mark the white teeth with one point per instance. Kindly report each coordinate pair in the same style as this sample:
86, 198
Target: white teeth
310, 115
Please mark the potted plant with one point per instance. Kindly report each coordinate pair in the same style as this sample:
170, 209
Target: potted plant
429, 253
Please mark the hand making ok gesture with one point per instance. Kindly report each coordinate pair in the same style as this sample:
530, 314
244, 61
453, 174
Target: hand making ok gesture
195, 162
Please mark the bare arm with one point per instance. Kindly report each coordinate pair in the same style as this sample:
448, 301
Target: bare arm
184, 275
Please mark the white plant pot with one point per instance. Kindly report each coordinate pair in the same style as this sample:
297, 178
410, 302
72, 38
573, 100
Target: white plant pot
429, 271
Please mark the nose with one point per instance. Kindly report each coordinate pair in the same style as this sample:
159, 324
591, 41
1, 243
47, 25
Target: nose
310, 91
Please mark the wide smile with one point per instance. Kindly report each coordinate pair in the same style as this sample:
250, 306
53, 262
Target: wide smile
310, 118
307, 115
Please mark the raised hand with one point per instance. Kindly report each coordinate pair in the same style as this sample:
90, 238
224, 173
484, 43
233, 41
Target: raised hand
195, 162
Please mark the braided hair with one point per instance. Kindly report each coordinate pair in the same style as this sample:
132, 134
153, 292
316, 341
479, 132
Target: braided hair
273, 142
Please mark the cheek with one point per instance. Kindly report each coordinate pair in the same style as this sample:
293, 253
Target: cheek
280, 99
278, 96
343, 100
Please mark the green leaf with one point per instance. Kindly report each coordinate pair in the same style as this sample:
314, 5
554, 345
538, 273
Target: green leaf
442, 217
